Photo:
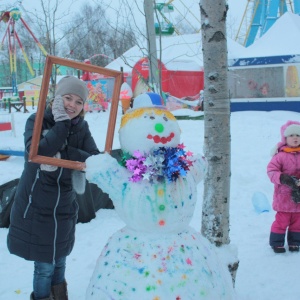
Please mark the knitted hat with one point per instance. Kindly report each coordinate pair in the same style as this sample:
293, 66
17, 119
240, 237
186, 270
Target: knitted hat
72, 85
293, 127
289, 128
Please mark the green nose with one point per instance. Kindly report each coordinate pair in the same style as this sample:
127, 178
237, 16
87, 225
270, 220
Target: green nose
159, 127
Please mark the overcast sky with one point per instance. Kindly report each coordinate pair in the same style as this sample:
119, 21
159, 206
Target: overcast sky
188, 8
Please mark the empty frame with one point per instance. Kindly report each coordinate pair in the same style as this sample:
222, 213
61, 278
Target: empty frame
53, 60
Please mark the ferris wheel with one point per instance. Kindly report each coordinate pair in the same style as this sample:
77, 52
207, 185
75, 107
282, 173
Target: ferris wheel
13, 18
166, 25
260, 15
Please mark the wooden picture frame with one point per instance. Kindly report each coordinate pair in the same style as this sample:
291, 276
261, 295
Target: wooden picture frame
53, 60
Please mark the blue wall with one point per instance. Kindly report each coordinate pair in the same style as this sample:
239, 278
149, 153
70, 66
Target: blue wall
266, 106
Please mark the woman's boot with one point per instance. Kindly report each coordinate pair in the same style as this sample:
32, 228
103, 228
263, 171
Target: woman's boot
60, 291
32, 297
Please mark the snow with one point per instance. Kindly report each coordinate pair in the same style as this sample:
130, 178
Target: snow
279, 39
187, 57
261, 275
157, 248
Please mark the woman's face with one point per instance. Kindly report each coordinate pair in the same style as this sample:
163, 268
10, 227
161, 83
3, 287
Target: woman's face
73, 105
293, 140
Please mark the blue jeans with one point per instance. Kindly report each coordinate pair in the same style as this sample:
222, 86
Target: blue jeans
46, 275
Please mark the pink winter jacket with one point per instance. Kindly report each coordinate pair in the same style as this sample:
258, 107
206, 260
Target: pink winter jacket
286, 163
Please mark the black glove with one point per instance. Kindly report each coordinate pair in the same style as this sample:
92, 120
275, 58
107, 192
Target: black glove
296, 195
289, 181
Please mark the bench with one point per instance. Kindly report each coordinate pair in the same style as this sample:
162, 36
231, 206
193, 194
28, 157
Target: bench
17, 105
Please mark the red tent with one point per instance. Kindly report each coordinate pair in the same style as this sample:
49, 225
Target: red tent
179, 83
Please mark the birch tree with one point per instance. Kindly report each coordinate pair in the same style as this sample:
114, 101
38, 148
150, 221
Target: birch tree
215, 211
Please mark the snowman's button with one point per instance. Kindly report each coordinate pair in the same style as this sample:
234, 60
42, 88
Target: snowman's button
160, 192
162, 207
162, 223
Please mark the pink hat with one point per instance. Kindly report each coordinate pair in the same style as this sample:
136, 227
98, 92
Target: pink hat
289, 128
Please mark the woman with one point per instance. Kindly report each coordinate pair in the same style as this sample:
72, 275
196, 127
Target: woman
44, 213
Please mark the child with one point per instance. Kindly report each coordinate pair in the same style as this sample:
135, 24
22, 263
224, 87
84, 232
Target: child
284, 171
44, 213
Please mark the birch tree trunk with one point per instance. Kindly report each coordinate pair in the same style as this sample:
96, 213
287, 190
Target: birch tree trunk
215, 210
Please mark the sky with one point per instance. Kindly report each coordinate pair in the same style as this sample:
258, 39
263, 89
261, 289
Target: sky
261, 275
189, 9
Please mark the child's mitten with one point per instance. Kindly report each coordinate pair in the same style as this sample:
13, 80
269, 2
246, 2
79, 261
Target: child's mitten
296, 195
288, 180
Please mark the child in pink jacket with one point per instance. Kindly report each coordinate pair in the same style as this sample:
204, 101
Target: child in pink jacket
284, 171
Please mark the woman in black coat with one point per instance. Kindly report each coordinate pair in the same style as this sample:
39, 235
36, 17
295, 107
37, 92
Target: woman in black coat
44, 213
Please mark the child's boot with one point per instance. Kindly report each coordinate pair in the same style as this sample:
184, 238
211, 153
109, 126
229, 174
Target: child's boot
278, 249
294, 248
277, 242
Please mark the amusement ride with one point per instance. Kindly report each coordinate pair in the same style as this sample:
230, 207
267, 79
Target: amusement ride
260, 15
13, 20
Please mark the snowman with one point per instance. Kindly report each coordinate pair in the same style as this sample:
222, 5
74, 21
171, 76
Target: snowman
157, 255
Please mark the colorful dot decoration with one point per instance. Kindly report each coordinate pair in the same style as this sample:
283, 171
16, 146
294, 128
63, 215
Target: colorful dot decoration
157, 255
159, 206
162, 207
179, 266
160, 192
162, 222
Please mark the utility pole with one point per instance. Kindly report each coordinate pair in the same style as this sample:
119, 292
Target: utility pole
151, 42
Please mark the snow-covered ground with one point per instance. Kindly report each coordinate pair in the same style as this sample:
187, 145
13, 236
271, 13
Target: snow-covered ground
262, 275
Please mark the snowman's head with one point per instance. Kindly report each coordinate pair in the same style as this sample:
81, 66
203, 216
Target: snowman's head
148, 125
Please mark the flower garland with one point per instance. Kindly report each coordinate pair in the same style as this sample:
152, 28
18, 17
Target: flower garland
158, 165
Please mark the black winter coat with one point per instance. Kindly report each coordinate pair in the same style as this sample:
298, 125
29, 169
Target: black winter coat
44, 213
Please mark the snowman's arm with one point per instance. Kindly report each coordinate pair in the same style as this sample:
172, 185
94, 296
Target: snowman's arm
106, 173
199, 168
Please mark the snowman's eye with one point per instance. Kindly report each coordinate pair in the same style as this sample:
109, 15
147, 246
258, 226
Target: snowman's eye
165, 118
152, 117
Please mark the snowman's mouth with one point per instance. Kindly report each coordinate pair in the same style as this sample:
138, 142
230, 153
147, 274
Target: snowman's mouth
161, 139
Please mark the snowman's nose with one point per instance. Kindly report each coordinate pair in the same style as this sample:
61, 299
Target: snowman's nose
159, 127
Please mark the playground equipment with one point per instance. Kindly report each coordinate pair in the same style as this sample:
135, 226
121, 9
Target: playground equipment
164, 26
260, 15
11, 18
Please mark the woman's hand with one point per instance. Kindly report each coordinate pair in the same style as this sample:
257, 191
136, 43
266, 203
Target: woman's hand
58, 110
